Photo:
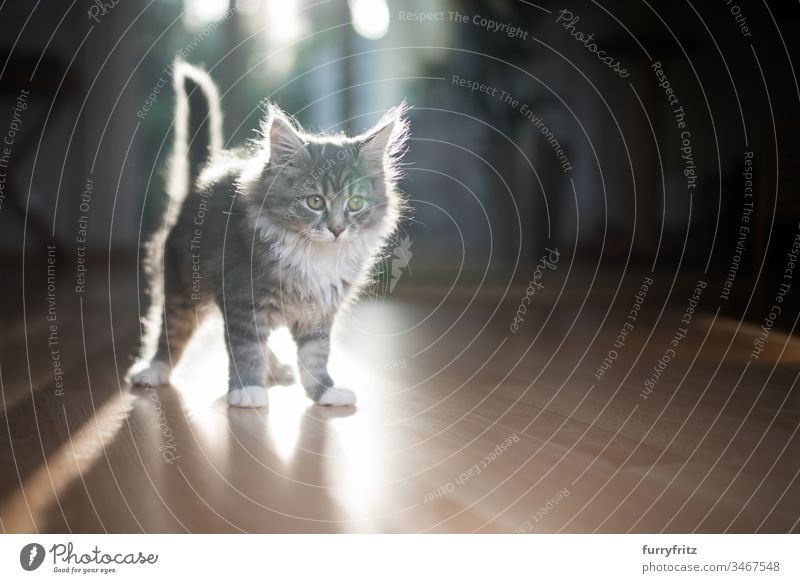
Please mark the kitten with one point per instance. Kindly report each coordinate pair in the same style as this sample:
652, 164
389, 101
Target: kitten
280, 233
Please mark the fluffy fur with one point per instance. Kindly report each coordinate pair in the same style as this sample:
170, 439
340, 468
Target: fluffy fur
282, 232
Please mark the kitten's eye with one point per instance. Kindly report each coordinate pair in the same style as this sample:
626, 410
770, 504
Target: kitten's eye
315, 202
356, 203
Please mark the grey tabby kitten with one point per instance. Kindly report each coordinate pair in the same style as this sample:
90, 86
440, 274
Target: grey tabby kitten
280, 233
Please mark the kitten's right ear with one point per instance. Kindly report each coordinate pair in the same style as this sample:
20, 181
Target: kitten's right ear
383, 145
285, 141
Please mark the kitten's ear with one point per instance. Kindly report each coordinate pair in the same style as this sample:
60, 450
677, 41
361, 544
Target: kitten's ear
285, 141
384, 143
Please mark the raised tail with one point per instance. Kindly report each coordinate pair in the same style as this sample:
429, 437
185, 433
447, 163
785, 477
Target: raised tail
198, 126
198, 137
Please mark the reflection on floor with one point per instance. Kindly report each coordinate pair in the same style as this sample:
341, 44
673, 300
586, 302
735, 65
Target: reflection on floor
462, 425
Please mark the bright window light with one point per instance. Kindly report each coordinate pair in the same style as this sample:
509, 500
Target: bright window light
370, 18
285, 25
248, 7
200, 13
284, 22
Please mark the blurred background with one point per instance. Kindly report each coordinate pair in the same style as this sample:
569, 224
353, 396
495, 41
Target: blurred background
487, 186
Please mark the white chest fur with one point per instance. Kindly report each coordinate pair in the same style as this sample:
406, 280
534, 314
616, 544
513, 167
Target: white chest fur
324, 271
319, 272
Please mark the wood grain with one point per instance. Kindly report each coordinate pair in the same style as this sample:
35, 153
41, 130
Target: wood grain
442, 384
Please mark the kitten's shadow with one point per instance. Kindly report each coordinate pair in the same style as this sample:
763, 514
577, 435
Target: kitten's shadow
324, 413
305, 427
282, 458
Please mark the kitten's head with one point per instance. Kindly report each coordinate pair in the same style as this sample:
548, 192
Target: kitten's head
330, 189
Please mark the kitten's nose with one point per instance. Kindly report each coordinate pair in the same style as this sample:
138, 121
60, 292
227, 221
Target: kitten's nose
336, 231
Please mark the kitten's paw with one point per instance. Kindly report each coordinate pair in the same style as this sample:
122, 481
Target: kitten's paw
251, 396
155, 374
281, 374
337, 397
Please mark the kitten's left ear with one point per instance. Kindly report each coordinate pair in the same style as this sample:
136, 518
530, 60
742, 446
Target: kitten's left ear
385, 142
285, 140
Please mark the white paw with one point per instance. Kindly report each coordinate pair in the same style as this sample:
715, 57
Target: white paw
155, 374
251, 396
337, 397
281, 374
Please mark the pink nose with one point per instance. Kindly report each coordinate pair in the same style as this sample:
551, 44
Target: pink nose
336, 232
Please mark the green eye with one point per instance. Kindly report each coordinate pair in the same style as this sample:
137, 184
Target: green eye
315, 202
356, 203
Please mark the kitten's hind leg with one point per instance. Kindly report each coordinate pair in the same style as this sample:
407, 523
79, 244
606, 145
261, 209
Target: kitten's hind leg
279, 373
177, 325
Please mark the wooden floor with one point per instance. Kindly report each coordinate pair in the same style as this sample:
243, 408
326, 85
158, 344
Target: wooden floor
462, 425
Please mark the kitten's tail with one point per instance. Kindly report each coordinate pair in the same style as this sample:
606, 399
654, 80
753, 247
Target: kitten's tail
198, 126
198, 137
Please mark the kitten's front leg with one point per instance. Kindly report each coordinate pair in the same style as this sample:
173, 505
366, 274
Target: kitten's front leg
313, 350
246, 331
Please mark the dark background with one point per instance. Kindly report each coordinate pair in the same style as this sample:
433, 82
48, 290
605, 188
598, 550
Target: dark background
487, 191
